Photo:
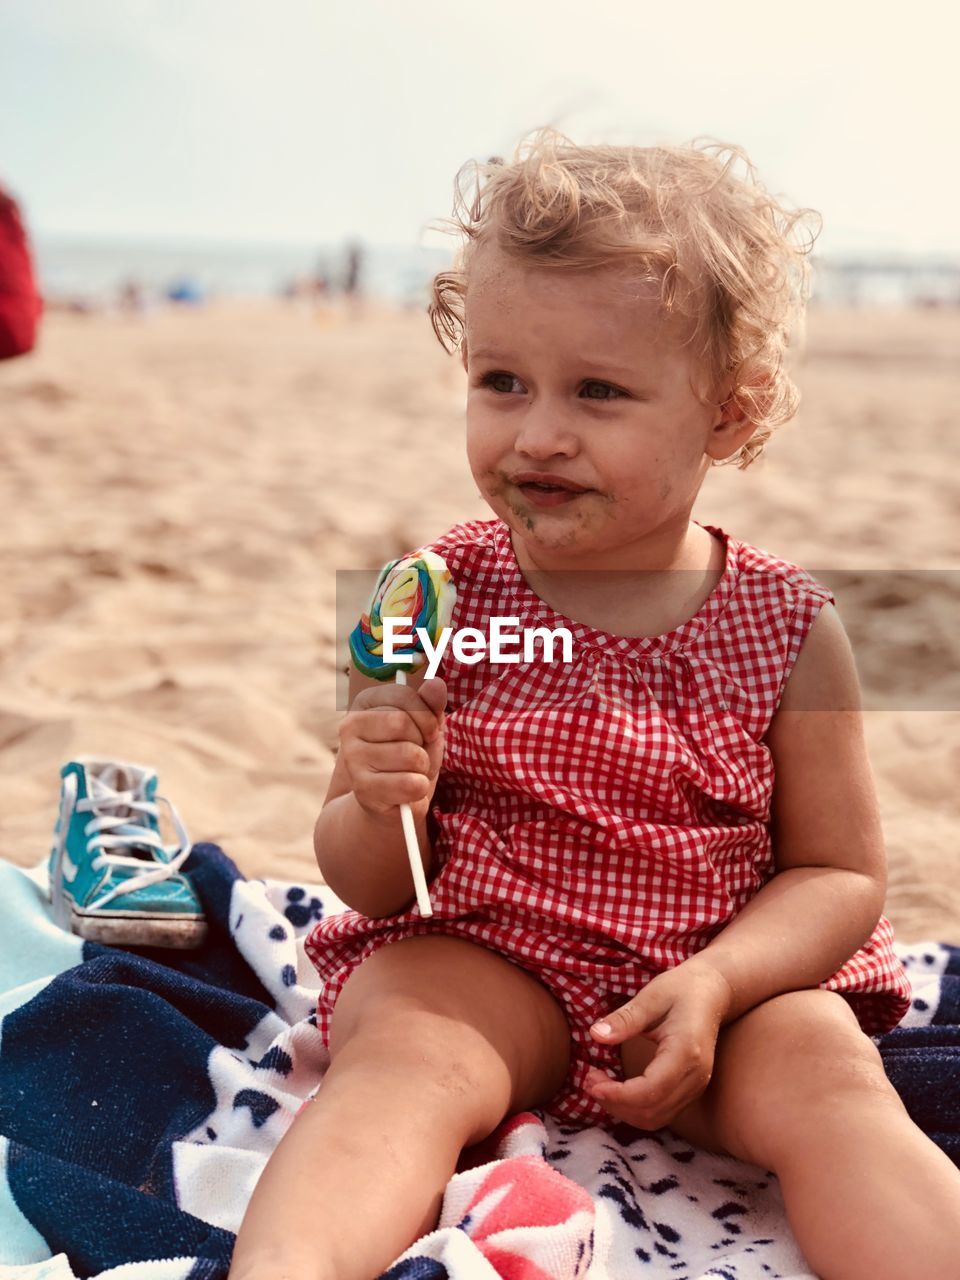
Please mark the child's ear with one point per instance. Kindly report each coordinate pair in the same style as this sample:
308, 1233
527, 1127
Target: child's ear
734, 424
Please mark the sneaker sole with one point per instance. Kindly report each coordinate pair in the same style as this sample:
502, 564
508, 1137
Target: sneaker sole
137, 929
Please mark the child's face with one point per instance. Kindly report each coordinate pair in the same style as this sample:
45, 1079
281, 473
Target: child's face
569, 374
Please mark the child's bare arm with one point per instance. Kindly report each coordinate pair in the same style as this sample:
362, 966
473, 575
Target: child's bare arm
358, 837
827, 897
803, 925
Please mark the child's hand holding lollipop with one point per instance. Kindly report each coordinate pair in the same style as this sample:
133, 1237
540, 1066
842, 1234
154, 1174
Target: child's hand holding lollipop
394, 738
392, 744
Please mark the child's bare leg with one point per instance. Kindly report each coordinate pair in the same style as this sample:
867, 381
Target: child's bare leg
434, 1040
799, 1089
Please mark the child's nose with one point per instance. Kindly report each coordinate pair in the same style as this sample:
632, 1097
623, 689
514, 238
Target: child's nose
545, 429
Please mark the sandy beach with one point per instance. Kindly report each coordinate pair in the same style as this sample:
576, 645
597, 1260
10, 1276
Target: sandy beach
179, 489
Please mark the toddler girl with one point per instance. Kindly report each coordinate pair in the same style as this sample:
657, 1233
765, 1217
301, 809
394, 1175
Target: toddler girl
657, 870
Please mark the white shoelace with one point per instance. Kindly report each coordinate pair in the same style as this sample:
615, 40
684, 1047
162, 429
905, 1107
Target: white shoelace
124, 834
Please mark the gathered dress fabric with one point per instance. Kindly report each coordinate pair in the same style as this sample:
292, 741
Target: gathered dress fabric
599, 821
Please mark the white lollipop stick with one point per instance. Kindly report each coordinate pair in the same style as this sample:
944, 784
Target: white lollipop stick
413, 848
426, 580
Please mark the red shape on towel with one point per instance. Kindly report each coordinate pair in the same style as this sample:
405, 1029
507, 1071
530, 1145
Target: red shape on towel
524, 1192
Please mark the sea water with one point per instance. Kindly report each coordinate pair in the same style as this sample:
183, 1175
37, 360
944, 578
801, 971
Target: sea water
95, 271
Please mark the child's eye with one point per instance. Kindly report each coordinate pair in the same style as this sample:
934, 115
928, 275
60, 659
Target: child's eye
489, 379
606, 386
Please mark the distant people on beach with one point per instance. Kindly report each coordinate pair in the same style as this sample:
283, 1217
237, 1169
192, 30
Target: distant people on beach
186, 291
20, 302
321, 287
352, 278
353, 269
131, 297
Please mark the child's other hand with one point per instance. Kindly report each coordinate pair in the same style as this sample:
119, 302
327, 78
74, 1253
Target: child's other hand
680, 1012
392, 745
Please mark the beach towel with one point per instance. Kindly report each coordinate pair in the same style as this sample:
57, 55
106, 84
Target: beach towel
142, 1091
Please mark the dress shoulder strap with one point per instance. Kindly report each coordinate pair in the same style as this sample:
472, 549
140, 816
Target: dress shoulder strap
758, 638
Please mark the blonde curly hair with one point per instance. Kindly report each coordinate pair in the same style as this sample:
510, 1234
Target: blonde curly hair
730, 270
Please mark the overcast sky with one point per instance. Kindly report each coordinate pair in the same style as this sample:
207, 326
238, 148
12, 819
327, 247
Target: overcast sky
310, 120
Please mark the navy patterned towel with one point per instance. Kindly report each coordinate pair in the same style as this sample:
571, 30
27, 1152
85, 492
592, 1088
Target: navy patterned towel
141, 1092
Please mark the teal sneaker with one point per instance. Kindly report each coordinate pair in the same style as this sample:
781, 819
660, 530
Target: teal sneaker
112, 879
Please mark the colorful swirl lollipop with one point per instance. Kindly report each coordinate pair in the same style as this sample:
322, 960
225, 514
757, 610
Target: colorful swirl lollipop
420, 590
417, 588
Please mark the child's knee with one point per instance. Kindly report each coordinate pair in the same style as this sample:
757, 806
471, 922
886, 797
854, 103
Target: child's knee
421, 1064
465, 1021
810, 1042
783, 1068
433, 1046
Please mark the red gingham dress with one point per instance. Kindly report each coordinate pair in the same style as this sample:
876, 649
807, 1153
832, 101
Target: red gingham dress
600, 821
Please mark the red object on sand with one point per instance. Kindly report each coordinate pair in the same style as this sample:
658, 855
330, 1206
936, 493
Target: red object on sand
20, 301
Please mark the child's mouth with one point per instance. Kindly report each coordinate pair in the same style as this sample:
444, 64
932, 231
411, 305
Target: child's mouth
548, 495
